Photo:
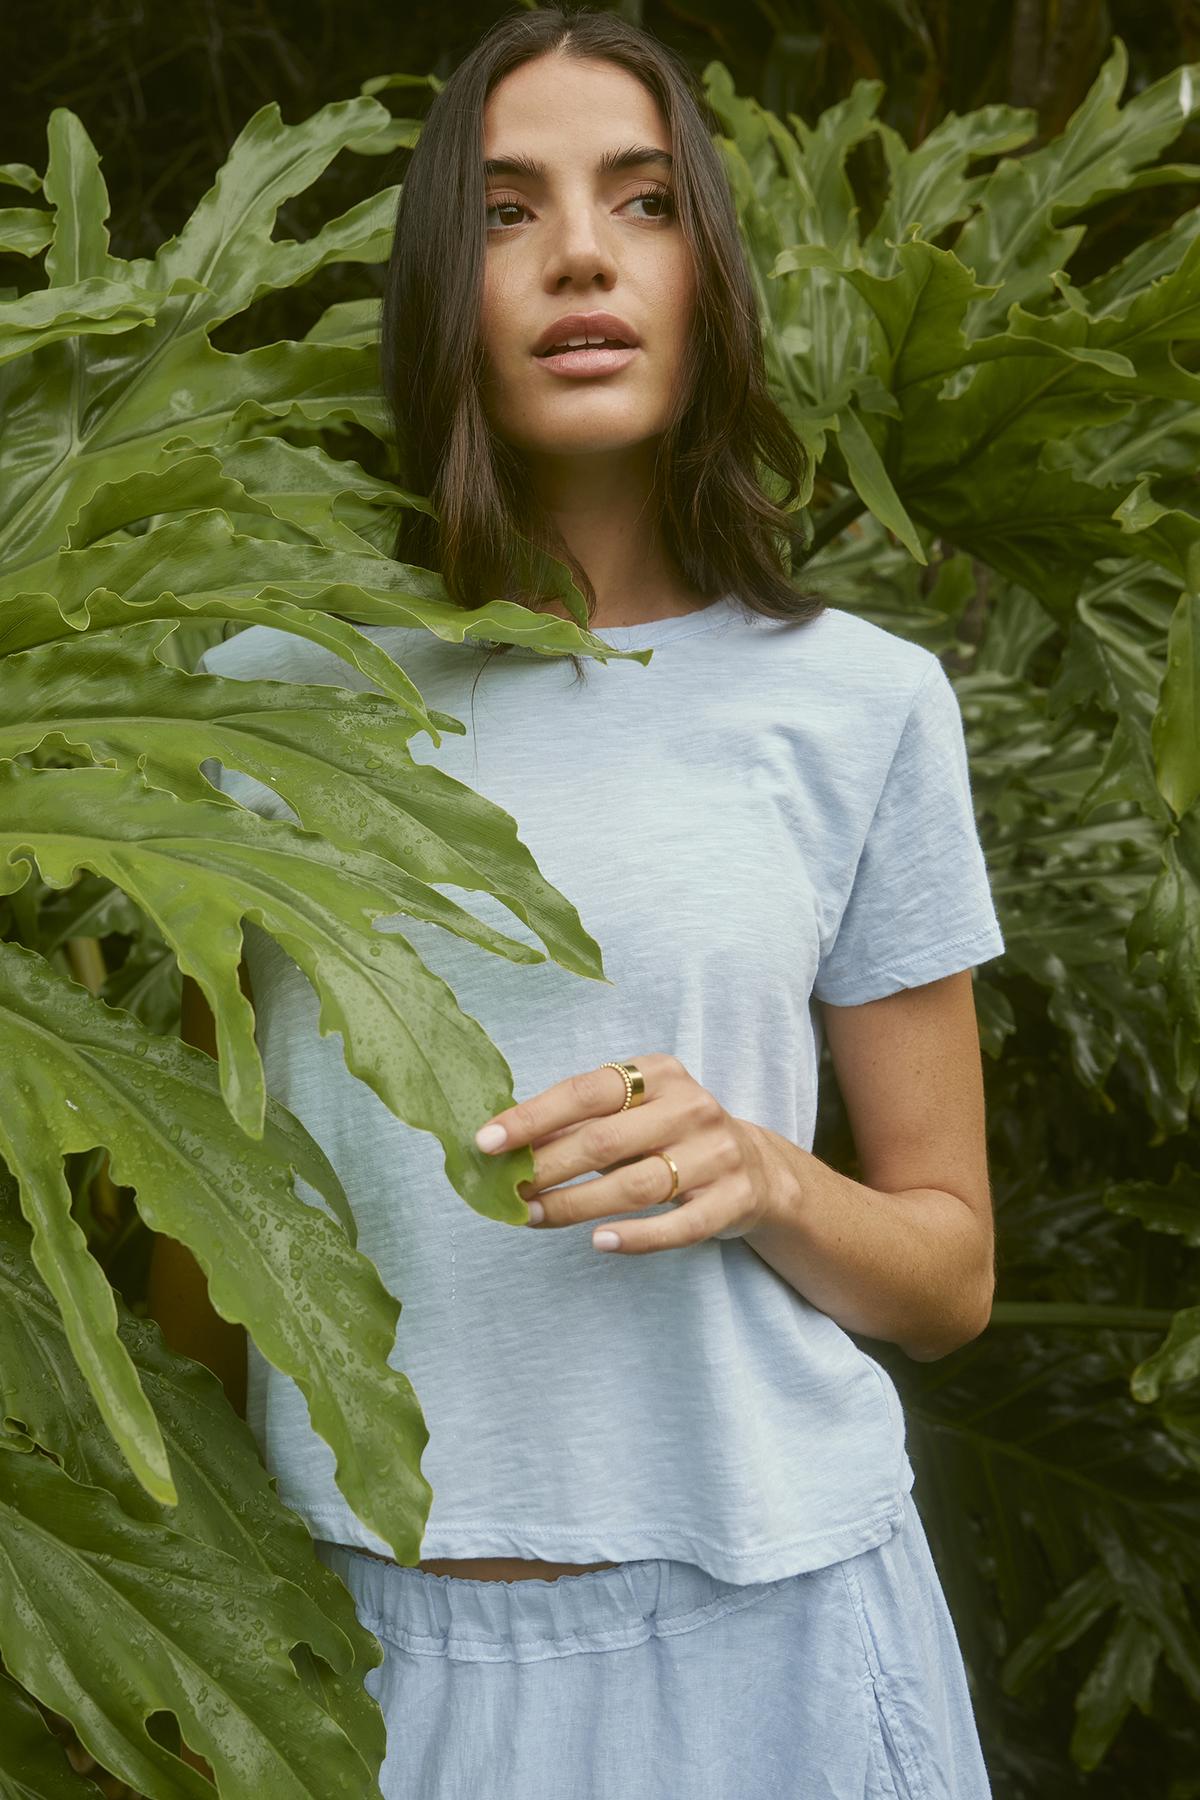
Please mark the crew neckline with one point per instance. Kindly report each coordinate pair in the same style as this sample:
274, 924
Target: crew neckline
658, 631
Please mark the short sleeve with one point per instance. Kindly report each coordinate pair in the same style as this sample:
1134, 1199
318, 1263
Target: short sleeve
919, 905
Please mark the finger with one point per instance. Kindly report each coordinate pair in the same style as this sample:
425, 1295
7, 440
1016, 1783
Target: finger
702, 1217
644, 1182
583, 1096
615, 1141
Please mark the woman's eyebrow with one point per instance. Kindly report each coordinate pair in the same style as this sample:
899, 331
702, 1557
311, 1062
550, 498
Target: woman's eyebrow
612, 162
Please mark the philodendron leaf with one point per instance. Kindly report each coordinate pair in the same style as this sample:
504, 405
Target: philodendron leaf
1176, 1362
42, 317
175, 478
929, 184
1172, 1206
920, 310
352, 322
52, 473
201, 565
1017, 238
872, 482
74, 188
33, 1761
1111, 657
102, 1623
302, 488
1167, 926
24, 231
284, 1269
198, 868
229, 241
226, 1498
338, 503
1122, 1677
74, 421
1175, 733
20, 175
339, 759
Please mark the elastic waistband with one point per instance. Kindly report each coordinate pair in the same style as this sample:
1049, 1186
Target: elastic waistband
526, 1621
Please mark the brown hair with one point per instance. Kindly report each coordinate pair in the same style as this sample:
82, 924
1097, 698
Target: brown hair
490, 535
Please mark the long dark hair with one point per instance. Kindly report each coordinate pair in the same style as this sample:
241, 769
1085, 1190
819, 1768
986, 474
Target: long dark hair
490, 536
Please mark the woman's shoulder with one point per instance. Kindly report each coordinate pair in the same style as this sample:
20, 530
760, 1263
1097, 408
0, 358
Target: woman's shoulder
851, 656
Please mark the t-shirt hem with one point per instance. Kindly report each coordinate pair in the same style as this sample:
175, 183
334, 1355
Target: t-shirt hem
770, 1562
946, 958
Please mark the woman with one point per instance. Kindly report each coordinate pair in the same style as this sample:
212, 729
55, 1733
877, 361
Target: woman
673, 1552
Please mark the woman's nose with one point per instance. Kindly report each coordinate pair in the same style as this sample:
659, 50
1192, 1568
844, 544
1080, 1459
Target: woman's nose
580, 249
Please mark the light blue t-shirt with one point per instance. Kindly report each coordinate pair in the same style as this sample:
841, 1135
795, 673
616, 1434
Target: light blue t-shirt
766, 814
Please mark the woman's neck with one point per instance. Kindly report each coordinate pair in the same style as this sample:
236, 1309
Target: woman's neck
600, 505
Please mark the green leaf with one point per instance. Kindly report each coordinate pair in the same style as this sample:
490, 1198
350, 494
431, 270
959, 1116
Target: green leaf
340, 759
1175, 732
920, 308
74, 188
1017, 238
1122, 1676
871, 480
1172, 1206
928, 186
139, 1585
229, 236
88, 308
1144, 264
24, 230
226, 1499
21, 175
1113, 657
1167, 926
282, 1267
1175, 1363
1075, 1611
398, 1019
33, 1761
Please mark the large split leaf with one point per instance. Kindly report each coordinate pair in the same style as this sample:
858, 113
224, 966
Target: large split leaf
225, 1502
69, 1555
33, 1761
285, 1269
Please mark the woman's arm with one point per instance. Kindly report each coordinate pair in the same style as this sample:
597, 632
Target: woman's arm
907, 1254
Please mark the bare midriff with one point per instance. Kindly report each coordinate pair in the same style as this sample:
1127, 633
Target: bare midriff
498, 1568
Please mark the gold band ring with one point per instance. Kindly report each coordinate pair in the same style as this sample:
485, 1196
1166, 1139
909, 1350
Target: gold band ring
635, 1083
674, 1176
635, 1093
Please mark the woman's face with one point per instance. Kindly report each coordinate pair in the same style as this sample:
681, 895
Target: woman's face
577, 239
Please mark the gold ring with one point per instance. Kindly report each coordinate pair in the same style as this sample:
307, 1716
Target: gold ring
635, 1083
674, 1176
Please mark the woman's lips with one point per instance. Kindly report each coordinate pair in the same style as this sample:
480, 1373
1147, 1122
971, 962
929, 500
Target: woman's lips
597, 361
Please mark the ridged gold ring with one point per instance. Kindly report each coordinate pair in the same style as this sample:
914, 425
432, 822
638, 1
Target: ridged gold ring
635, 1083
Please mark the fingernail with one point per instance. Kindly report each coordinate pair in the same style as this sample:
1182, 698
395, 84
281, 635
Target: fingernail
606, 1240
490, 1137
537, 1211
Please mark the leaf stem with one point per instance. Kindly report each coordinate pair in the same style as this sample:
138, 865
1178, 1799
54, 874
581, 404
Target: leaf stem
834, 520
1036, 1313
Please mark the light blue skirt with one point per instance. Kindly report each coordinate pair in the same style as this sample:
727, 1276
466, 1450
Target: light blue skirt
655, 1681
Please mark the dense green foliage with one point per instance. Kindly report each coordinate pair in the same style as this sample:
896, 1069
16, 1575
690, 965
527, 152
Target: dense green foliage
1003, 473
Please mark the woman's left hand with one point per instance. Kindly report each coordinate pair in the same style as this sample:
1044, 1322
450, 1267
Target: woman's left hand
725, 1164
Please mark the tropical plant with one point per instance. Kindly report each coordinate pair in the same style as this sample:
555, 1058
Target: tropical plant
1004, 473
148, 485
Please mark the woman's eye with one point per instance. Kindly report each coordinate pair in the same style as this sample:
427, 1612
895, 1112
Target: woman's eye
660, 196
498, 206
